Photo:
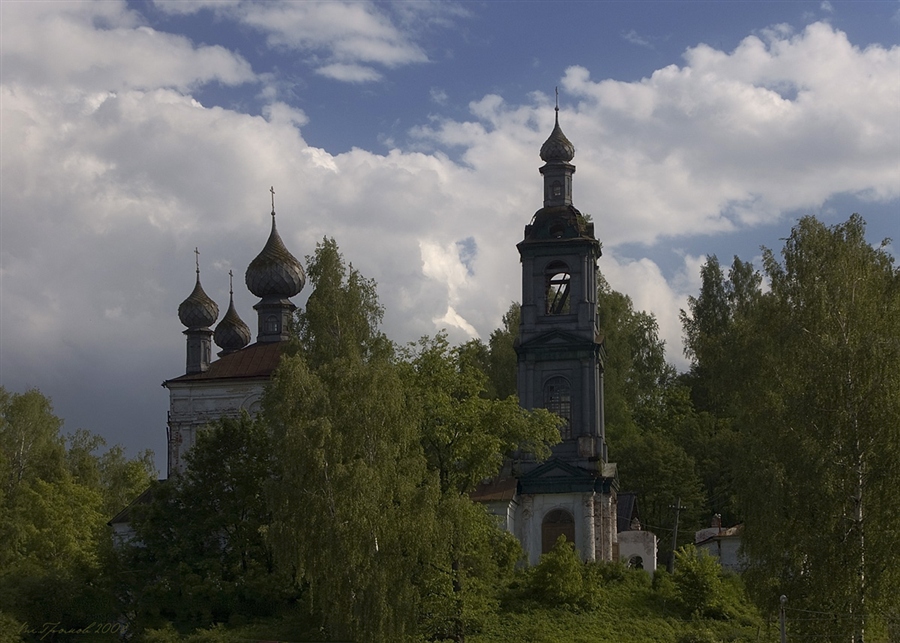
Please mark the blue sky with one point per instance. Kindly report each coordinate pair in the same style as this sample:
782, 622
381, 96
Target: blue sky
409, 131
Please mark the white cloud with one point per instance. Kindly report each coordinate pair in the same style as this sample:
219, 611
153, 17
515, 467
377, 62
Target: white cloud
349, 73
343, 39
635, 38
736, 138
60, 44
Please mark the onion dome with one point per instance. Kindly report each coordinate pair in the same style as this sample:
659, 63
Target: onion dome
232, 334
557, 148
275, 272
198, 310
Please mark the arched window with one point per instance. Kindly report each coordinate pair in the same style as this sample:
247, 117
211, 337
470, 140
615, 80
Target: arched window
558, 522
558, 399
636, 562
272, 325
557, 288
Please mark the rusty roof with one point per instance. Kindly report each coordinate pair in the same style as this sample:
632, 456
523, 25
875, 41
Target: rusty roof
257, 360
501, 489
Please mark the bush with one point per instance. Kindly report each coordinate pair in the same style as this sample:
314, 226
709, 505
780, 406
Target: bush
698, 636
664, 586
557, 580
698, 583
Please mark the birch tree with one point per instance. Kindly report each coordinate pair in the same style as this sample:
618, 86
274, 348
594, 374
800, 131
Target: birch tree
820, 418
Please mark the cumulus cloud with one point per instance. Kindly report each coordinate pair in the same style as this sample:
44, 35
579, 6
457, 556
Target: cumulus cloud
343, 39
80, 47
736, 138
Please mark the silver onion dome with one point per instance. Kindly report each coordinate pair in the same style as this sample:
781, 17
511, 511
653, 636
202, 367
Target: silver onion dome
275, 272
557, 148
232, 334
198, 310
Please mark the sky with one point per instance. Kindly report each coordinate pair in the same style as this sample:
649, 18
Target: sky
133, 132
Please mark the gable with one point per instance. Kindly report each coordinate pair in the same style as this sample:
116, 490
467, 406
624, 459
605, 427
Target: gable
556, 338
557, 476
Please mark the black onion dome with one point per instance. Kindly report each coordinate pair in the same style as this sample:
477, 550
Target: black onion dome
557, 148
232, 334
198, 310
275, 271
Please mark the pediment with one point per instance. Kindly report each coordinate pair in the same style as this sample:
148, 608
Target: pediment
557, 469
555, 338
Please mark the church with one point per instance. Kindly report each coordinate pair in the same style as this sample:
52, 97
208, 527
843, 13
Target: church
560, 367
210, 390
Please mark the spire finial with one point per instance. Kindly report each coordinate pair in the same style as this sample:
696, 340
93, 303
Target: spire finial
272, 190
557, 105
197, 261
231, 283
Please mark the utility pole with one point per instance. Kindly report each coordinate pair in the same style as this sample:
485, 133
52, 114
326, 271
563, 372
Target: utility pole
781, 611
677, 507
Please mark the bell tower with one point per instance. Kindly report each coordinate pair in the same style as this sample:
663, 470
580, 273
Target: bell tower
560, 368
560, 352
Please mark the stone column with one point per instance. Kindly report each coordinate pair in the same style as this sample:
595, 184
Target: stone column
589, 550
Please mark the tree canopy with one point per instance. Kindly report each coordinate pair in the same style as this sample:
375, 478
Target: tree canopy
807, 372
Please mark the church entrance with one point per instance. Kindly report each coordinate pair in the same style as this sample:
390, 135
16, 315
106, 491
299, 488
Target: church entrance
558, 522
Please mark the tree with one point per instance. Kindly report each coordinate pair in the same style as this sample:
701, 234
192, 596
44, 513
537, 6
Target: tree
200, 554
819, 411
636, 373
465, 436
497, 359
503, 366
351, 500
712, 330
54, 504
30, 445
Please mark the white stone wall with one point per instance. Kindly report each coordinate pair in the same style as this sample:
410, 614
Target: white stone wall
590, 511
194, 404
638, 543
726, 549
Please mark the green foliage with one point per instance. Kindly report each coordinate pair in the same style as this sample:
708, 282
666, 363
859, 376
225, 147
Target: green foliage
168, 634
557, 579
470, 561
698, 583
503, 364
698, 636
804, 382
465, 435
342, 315
200, 555
30, 445
351, 498
54, 505
624, 609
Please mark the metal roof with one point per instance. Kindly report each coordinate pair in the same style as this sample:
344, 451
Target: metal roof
256, 360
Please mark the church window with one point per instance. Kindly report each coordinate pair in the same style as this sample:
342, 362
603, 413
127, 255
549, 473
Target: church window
558, 283
558, 400
272, 324
558, 522
556, 189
